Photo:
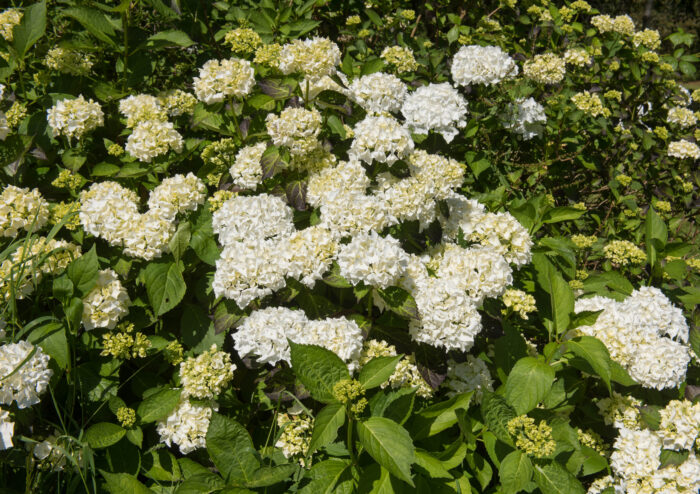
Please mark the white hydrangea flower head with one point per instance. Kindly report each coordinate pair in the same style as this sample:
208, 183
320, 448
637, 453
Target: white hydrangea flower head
148, 235
140, 108
249, 270
526, 117
650, 310
683, 117
106, 303
295, 128
206, 375
314, 58
636, 453
680, 424
245, 218
108, 210
380, 139
447, 316
546, 68
31, 373
264, 334
660, 364
309, 253
472, 375
464, 213
621, 411
221, 79
152, 138
246, 170
351, 214
178, 194
74, 117
177, 102
577, 57
4, 127
440, 174
339, 335
379, 92
347, 178
7, 430
505, 235
186, 426
22, 209
480, 271
486, 65
684, 149
372, 259
410, 199
437, 107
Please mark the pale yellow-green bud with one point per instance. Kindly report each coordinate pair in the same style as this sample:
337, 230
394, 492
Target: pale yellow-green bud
534, 440
67, 180
623, 253
583, 241
126, 416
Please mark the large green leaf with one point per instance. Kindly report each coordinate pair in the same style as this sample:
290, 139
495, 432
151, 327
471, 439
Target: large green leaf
497, 413
30, 29
158, 405
528, 383
165, 286
561, 297
270, 475
376, 372
51, 337
515, 472
231, 449
389, 444
562, 214
399, 301
655, 235
594, 352
180, 240
169, 38
83, 272
326, 425
95, 22
104, 434
121, 483
318, 369
552, 478
438, 417
330, 476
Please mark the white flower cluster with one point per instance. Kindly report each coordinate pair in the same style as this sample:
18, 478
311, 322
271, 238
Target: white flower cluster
4, 127
472, 375
74, 117
372, 259
221, 79
206, 375
314, 58
683, 117
379, 92
22, 209
437, 107
264, 335
526, 117
106, 303
142, 108
486, 65
110, 211
636, 462
645, 333
152, 138
684, 149
246, 170
24, 374
406, 374
380, 138
296, 435
186, 426
295, 128
7, 430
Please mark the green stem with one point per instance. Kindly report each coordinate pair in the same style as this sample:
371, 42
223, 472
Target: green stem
125, 27
350, 442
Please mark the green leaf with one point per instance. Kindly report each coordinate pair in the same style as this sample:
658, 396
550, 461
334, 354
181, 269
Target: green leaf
656, 235
562, 214
528, 383
202, 239
497, 413
620, 375
158, 405
31, 28
120, 483
296, 194
396, 405
165, 285
161, 465
431, 465
272, 161
104, 434
561, 296
51, 337
515, 472
399, 301
83, 272
270, 475
376, 372
593, 351
334, 279
326, 475
135, 436
326, 425
169, 38
180, 240
389, 444
95, 22
278, 89
669, 457
231, 450
552, 478
438, 417
694, 340
318, 369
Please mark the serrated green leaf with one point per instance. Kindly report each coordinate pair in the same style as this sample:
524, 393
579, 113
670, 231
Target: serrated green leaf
389, 444
318, 369
231, 449
165, 286
528, 383
158, 405
376, 372
552, 478
497, 413
593, 351
103, 435
515, 472
326, 425
83, 272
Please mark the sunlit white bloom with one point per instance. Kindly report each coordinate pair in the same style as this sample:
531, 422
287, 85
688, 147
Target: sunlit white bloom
221, 79
378, 92
74, 117
437, 107
106, 303
380, 139
24, 373
526, 118
245, 218
152, 138
372, 259
486, 65
186, 426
